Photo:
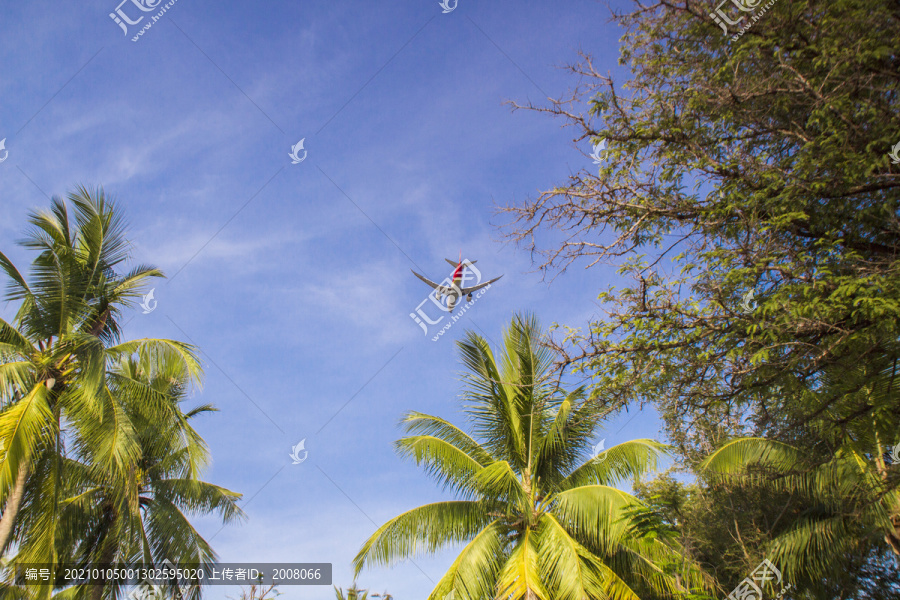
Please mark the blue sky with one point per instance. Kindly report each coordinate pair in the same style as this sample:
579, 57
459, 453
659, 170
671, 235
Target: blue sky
294, 279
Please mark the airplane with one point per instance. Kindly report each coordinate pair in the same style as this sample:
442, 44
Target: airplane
454, 292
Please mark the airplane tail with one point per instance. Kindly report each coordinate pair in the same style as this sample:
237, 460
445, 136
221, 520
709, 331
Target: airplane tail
456, 263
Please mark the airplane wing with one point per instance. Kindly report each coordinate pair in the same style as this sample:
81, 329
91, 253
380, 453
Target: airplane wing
455, 263
436, 286
475, 288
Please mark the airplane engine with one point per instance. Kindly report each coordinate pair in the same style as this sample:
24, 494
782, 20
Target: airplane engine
469, 297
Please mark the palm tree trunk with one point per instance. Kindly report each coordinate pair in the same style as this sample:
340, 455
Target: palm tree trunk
109, 551
99, 322
12, 507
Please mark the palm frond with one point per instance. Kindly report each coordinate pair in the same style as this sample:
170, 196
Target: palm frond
449, 465
473, 574
423, 529
24, 426
520, 577
570, 570
594, 514
735, 455
625, 461
17, 287
420, 423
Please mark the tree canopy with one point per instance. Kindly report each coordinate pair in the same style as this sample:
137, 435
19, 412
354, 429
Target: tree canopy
747, 191
746, 187
100, 460
539, 517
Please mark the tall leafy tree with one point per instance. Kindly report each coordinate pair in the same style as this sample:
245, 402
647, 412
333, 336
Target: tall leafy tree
747, 194
79, 406
137, 514
538, 517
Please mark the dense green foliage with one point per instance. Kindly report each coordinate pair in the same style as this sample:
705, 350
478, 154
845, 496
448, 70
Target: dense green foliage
101, 461
846, 508
748, 193
735, 166
538, 517
728, 527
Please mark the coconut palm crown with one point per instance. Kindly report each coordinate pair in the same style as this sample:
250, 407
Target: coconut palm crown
94, 443
537, 517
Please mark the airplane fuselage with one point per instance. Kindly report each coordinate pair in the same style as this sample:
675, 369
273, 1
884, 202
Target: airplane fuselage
456, 290
454, 293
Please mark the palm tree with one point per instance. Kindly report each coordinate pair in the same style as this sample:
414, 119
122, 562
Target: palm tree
136, 514
848, 503
539, 521
353, 593
66, 418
